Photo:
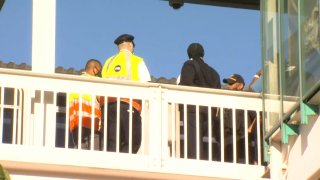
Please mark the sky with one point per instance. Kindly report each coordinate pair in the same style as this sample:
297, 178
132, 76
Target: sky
86, 29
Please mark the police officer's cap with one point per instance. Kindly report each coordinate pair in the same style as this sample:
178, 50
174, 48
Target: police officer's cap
124, 38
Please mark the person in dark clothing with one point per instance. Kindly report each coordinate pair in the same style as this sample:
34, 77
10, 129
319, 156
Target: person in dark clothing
195, 72
236, 82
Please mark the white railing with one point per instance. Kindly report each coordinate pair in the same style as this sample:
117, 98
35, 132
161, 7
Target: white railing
34, 125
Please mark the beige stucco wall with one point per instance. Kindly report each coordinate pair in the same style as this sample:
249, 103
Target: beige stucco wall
303, 160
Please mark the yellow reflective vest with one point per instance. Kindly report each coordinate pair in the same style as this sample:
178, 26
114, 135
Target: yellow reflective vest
123, 66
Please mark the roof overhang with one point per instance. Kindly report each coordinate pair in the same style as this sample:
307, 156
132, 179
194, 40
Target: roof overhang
1, 4
243, 4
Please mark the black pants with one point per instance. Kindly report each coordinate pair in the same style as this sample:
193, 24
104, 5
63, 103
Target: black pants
192, 134
124, 128
86, 139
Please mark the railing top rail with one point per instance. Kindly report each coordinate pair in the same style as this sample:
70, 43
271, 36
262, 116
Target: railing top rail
213, 91
74, 78
128, 83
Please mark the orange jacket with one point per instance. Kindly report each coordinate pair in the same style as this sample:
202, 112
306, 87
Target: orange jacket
74, 112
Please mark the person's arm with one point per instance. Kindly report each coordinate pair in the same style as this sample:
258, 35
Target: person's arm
252, 120
255, 78
187, 74
144, 74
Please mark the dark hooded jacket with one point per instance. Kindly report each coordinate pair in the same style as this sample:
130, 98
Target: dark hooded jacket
195, 72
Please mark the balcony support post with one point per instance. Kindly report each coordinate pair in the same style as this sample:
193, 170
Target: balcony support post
155, 124
43, 35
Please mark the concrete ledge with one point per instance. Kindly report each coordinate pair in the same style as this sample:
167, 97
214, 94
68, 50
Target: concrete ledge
62, 171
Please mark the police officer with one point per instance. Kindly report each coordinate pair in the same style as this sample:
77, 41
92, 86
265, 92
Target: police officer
124, 66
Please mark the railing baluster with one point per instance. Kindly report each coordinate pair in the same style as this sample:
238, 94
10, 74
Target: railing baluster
80, 122
234, 135
2, 113
118, 126
66, 142
54, 124
258, 138
41, 119
19, 109
246, 149
173, 128
14, 118
198, 140
185, 131
92, 132
105, 121
210, 134
143, 125
130, 125
222, 146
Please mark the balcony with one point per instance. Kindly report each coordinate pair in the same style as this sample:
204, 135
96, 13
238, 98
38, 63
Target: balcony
35, 138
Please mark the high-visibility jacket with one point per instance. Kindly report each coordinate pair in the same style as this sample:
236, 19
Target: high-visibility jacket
87, 106
124, 66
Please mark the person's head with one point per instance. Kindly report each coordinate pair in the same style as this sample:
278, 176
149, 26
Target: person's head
93, 67
125, 41
195, 51
234, 82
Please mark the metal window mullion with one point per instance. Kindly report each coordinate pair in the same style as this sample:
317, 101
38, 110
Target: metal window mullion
280, 60
130, 125
301, 64
234, 135
80, 122
222, 133
66, 143
246, 136
185, 118
198, 140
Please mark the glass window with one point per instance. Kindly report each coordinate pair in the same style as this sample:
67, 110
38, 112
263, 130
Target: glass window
290, 54
290, 49
310, 45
